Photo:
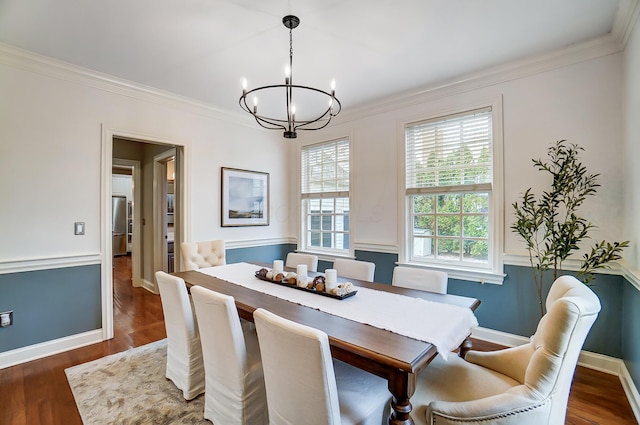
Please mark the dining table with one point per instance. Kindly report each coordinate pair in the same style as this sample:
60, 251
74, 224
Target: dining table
388, 354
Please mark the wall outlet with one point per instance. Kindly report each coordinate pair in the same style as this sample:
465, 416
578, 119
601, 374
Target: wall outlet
6, 319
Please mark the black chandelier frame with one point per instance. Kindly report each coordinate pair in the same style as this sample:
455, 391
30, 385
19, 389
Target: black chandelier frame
290, 125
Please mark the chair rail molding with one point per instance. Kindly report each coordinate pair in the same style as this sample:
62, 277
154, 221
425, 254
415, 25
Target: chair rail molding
250, 243
46, 263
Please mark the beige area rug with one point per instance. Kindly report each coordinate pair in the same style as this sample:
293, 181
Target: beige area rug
130, 388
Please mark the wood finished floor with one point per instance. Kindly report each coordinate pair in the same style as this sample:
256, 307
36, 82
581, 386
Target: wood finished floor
37, 392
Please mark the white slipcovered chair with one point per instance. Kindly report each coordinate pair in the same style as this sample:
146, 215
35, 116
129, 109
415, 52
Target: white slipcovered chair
305, 387
422, 279
184, 353
234, 383
295, 258
354, 269
524, 385
197, 255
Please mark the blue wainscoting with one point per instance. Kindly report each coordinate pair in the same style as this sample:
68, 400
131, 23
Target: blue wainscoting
266, 253
631, 330
50, 304
513, 307
385, 263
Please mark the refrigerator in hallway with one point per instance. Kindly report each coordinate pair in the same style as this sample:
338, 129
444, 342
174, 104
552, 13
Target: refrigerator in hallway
119, 224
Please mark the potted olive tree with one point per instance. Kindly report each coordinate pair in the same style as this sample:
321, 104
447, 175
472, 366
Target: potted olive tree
551, 225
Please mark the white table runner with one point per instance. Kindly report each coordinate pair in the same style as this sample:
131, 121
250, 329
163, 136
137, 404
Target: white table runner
443, 325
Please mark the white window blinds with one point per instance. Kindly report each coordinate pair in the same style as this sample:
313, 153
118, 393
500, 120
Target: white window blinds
450, 154
325, 169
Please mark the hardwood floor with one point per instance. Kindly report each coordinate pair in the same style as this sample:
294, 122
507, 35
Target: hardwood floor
37, 392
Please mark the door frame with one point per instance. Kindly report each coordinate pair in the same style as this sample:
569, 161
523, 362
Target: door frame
106, 249
160, 209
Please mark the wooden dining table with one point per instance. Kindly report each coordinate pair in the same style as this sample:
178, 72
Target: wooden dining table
392, 356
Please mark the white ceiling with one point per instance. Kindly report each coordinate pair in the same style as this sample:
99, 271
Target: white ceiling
202, 49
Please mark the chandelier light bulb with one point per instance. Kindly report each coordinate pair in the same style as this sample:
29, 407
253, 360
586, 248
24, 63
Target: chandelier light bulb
244, 86
293, 112
287, 71
255, 104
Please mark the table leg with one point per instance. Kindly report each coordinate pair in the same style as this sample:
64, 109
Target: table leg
401, 385
465, 347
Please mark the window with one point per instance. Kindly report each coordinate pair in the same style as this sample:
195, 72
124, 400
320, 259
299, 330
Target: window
325, 197
449, 190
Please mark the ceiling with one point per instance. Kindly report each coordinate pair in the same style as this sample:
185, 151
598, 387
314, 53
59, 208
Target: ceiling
201, 49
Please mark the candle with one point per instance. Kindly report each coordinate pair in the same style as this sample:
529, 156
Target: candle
331, 279
277, 266
301, 271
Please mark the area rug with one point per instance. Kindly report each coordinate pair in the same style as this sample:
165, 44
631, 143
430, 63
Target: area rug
130, 388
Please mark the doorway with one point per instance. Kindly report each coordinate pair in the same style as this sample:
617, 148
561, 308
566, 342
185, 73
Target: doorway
138, 153
165, 201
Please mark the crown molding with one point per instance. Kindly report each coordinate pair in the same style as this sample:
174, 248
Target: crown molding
625, 20
53, 68
599, 47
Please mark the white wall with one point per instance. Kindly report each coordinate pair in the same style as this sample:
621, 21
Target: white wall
51, 120
50, 153
580, 103
631, 107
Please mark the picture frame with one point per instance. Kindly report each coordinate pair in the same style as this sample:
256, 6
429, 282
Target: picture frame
245, 198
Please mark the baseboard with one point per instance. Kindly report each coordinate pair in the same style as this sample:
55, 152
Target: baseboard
49, 348
630, 390
149, 286
600, 362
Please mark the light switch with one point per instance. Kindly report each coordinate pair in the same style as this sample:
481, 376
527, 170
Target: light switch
78, 228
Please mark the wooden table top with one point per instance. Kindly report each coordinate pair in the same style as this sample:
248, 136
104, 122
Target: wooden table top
371, 348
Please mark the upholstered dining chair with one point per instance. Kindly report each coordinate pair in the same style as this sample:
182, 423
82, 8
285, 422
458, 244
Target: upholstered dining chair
295, 258
197, 255
305, 387
184, 353
422, 279
354, 269
234, 382
524, 385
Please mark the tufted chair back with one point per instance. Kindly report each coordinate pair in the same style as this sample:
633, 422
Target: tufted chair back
524, 385
197, 255
572, 308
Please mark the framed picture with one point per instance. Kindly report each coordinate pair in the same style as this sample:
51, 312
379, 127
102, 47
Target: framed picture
245, 198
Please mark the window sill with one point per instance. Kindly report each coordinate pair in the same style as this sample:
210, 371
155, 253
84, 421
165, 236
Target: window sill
481, 276
324, 255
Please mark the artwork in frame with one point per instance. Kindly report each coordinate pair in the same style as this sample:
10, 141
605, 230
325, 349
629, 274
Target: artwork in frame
245, 198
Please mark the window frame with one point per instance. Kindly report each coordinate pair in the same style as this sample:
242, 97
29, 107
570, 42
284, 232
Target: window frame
305, 198
493, 271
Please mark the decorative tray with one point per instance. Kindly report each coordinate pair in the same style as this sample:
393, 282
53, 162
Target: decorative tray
313, 291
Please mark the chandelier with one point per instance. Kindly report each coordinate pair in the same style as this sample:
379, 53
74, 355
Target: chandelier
287, 120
